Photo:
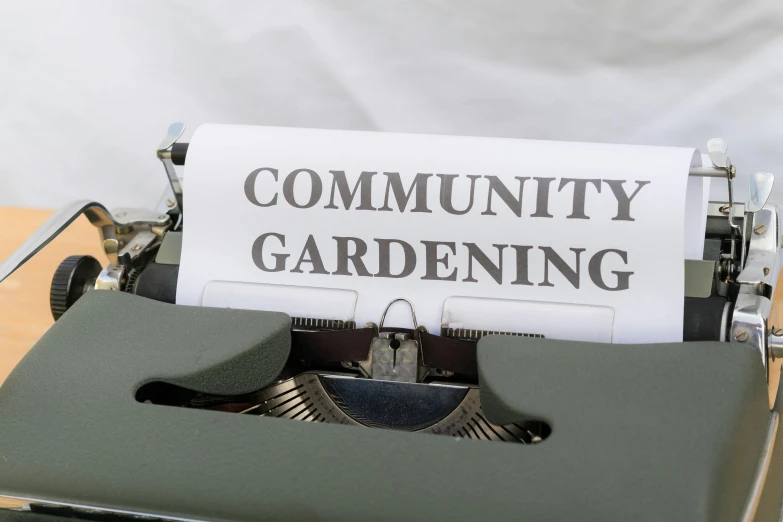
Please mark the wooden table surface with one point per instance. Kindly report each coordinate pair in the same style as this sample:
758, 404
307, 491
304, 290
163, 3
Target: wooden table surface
24, 297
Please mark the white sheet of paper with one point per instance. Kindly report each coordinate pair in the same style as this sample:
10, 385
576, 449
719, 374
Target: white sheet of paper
302, 216
697, 198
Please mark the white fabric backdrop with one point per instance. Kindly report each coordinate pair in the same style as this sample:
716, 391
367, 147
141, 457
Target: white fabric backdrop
88, 88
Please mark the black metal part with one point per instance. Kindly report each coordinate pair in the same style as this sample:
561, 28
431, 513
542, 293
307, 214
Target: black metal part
712, 249
445, 353
158, 282
718, 226
178, 153
332, 346
321, 325
703, 318
40, 512
75, 276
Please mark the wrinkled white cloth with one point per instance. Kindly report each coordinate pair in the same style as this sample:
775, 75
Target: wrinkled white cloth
88, 88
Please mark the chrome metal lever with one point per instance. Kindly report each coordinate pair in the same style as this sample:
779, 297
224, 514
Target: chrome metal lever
757, 281
759, 189
775, 344
97, 214
716, 149
164, 155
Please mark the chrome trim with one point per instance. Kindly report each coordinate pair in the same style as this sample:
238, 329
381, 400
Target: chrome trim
749, 323
757, 283
97, 509
762, 264
763, 469
759, 187
714, 209
110, 277
707, 172
107, 222
724, 321
164, 155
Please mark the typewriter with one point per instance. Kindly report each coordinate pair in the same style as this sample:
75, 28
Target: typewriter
134, 408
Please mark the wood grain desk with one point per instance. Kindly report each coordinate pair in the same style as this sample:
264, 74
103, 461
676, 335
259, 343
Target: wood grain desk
24, 297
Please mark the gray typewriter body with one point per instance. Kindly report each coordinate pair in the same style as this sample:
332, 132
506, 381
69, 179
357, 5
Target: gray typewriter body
131, 406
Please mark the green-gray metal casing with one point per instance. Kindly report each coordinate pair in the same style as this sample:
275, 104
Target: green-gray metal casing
645, 432
170, 249
699, 276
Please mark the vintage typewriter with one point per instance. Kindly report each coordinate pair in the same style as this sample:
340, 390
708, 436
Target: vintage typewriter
134, 408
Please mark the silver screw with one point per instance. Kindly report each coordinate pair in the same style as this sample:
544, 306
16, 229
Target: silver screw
347, 364
448, 373
724, 209
121, 214
136, 248
163, 216
766, 271
170, 202
760, 229
741, 335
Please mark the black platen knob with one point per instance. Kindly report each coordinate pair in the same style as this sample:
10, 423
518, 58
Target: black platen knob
74, 276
